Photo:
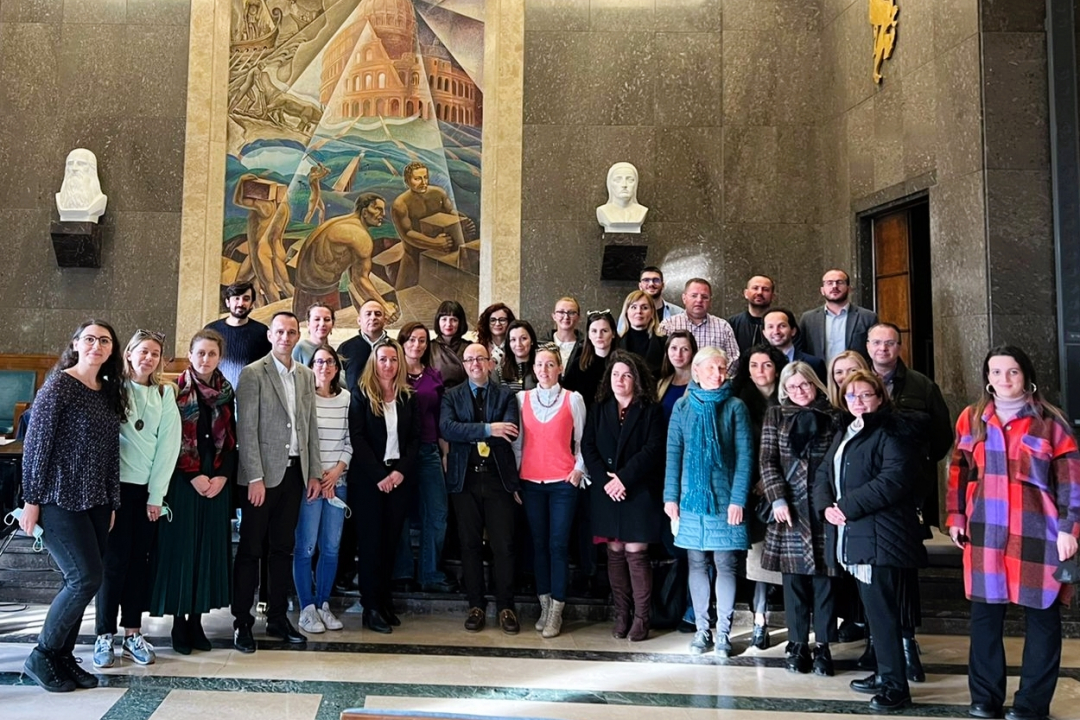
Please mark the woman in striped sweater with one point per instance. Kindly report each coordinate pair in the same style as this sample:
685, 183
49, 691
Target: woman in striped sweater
322, 519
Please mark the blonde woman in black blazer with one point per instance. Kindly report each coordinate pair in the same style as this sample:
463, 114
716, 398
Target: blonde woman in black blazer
384, 427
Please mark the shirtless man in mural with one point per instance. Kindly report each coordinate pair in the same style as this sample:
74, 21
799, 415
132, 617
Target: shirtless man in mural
315, 201
339, 244
268, 217
419, 200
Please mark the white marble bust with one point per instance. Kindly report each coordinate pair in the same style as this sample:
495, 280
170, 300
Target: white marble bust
80, 198
622, 213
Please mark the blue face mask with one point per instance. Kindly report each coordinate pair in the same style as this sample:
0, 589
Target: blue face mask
336, 502
166, 512
14, 516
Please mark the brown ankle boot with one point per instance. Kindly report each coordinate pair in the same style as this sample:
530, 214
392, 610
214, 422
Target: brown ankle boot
619, 577
641, 581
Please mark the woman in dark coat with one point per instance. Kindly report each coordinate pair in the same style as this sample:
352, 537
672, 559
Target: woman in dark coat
867, 487
384, 426
794, 440
623, 449
448, 345
641, 335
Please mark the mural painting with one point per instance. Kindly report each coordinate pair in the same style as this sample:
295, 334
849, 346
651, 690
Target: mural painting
354, 154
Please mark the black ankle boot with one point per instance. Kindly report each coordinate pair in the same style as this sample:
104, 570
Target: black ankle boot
181, 643
868, 660
43, 668
915, 672
196, 635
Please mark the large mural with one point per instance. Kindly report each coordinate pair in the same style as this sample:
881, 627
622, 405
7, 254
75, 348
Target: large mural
354, 153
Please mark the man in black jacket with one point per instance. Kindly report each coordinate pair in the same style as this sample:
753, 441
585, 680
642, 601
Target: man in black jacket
480, 419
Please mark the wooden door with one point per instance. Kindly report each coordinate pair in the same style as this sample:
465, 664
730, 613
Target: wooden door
892, 275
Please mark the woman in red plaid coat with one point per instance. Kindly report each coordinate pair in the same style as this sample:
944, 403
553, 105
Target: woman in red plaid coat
1014, 508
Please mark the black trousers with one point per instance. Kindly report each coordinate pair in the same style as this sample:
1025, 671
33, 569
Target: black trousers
379, 518
268, 530
805, 595
882, 602
484, 503
1039, 667
127, 563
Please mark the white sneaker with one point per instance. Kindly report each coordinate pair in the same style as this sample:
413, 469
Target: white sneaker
310, 622
328, 619
104, 655
138, 650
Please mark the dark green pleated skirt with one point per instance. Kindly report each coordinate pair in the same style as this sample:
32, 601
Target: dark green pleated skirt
193, 564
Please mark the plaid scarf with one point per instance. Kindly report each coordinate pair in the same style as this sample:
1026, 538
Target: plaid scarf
218, 396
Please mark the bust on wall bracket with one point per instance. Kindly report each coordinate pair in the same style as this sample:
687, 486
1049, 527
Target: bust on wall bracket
76, 237
622, 213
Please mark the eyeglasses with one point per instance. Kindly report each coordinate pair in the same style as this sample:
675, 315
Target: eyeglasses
159, 336
328, 362
566, 313
651, 281
474, 360
499, 320
861, 397
884, 343
103, 341
800, 388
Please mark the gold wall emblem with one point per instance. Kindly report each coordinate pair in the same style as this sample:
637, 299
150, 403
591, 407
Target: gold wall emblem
883, 19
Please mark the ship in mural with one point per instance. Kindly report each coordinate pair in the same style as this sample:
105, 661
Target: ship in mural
354, 154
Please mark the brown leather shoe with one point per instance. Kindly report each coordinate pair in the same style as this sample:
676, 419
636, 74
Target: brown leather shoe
475, 621
508, 622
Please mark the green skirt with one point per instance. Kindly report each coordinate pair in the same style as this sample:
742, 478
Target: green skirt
193, 563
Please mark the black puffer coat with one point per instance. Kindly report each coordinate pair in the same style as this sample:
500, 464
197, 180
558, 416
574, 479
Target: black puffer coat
879, 477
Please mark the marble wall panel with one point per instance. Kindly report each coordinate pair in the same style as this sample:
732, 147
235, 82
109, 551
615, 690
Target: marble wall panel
689, 16
859, 136
751, 174
155, 93
1017, 133
690, 170
621, 15
31, 11
798, 189
138, 283
959, 109
1037, 335
689, 79
553, 175
1012, 16
960, 345
557, 15
27, 258
159, 12
92, 69
915, 34
751, 64
888, 146
958, 246
95, 12
29, 66
954, 22
919, 121
774, 15
1019, 218
556, 80
32, 160
621, 86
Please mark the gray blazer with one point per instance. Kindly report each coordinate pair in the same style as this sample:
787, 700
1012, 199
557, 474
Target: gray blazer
859, 322
262, 426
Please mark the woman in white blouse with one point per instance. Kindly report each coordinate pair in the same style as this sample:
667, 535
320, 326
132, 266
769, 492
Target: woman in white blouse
384, 425
322, 519
549, 455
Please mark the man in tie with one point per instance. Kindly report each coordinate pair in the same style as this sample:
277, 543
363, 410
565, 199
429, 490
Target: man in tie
480, 419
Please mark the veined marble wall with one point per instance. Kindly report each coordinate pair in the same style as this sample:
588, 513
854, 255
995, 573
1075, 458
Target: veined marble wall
109, 76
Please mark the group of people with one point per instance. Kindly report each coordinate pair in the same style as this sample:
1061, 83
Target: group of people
801, 453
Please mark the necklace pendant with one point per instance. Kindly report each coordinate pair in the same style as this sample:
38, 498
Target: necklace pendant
139, 424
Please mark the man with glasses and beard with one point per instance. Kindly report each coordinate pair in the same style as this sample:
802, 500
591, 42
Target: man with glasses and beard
245, 339
651, 282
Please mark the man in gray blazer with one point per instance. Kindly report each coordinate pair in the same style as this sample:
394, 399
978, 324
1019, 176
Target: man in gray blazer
278, 439
838, 325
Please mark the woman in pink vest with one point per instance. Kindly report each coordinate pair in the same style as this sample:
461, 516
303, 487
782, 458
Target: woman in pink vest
549, 455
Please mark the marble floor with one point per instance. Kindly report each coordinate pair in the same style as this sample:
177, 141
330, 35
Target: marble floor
431, 664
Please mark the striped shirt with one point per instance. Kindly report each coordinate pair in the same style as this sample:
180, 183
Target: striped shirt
334, 443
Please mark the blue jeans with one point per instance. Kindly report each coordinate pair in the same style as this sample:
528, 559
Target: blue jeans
549, 508
320, 522
77, 542
433, 507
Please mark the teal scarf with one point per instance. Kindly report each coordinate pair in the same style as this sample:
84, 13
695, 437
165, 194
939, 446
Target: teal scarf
702, 406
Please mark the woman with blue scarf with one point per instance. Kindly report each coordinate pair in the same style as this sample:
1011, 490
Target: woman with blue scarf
710, 455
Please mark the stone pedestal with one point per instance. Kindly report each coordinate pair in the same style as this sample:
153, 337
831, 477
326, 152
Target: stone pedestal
76, 244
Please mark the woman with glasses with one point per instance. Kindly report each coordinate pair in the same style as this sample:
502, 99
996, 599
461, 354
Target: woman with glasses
517, 373
149, 445
491, 332
585, 370
384, 424
449, 343
565, 334
624, 452
866, 487
194, 550
71, 489
1013, 506
796, 435
710, 456
322, 518
428, 387
757, 384
551, 468
642, 334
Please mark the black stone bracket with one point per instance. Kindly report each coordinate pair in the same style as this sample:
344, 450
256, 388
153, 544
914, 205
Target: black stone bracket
76, 244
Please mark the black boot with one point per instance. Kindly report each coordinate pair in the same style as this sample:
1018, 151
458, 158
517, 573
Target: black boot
181, 644
80, 677
196, 634
868, 661
915, 672
45, 669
